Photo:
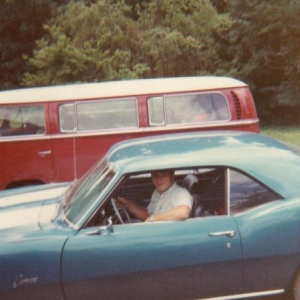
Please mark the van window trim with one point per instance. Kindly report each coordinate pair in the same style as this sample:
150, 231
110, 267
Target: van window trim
39, 134
99, 100
165, 96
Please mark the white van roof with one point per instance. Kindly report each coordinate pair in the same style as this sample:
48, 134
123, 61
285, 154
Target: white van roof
108, 89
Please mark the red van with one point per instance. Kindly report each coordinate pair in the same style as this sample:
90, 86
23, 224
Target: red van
55, 134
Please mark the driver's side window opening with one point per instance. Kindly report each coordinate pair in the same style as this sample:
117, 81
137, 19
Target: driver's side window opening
206, 186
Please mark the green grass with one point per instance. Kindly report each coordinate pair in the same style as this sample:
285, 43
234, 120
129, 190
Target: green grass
289, 134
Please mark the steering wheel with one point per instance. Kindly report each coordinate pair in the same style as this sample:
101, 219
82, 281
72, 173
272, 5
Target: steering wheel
120, 213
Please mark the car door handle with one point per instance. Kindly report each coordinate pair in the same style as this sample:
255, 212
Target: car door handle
44, 153
229, 233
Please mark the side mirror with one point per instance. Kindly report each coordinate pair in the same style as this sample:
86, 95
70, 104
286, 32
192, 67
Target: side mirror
108, 226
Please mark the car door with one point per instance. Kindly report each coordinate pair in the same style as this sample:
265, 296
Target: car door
197, 258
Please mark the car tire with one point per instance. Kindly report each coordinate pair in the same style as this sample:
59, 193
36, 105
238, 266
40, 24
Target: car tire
295, 289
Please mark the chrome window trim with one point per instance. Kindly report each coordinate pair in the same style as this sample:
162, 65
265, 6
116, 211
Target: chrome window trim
247, 295
59, 117
149, 114
165, 97
227, 190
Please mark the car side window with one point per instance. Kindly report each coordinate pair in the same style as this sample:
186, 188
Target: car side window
187, 109
22, 120
246, 193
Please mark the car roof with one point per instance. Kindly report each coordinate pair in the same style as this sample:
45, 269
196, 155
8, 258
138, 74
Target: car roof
260, 156
121, 88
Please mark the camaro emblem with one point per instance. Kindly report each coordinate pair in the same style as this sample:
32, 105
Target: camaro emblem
20, 280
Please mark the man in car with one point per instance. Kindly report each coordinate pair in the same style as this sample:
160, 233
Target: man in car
169, 202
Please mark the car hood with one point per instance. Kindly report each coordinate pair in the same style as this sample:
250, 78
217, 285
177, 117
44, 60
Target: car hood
30, 206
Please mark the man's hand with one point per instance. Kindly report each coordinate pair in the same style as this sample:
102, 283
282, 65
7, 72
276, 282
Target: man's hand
138, 211
122, 202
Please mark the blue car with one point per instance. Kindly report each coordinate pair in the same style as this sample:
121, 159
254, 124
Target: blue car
242, 239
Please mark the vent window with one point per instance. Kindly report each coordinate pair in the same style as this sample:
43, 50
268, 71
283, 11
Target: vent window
237, 105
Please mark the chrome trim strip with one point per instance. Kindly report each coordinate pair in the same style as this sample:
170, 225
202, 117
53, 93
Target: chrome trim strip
97, 133
70, 224
204, 125
27, 138
180, 128
241, 296
227, 190
141, 130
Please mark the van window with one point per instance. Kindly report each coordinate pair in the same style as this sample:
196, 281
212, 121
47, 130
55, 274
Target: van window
186, 109
67, 117
156, 111
99, 115
22, 120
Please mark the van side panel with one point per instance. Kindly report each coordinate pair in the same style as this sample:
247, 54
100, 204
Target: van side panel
26, 162
64, 153
26, 159
63, 147
90, 148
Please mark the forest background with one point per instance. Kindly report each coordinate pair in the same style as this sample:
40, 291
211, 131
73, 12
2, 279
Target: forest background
51, 42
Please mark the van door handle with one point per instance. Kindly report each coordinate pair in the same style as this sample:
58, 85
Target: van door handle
44, 153
229, 233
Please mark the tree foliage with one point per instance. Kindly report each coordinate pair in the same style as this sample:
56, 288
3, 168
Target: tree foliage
21, 25
265, 49
97, 40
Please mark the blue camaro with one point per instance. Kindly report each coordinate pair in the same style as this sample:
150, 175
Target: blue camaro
242, 240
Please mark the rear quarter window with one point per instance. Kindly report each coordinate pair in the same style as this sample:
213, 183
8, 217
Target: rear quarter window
188, 109
246, 193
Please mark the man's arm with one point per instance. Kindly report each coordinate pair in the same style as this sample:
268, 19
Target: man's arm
139, 211
179, 213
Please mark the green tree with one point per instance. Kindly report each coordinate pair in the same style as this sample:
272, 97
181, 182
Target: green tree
179, 37
264, 51
21, 24
86, 42
97, 40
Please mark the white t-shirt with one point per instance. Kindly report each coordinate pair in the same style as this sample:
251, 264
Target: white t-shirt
171, 198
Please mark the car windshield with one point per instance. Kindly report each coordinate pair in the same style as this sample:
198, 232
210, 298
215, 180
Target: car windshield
81, 197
